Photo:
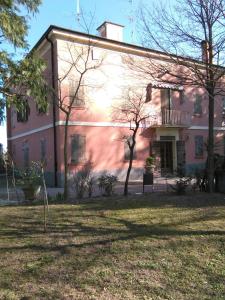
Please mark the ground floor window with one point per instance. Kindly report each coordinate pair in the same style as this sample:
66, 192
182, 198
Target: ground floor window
199, 144
26, 155
43, 150
78, 148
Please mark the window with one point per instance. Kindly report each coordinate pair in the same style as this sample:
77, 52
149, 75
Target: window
43, 150
199, 144
78, 148
26, 155
223, 108
76, 97
166, 100
148, 93
127, 149
24, 111
42, 109
198, 105
181, 97
224, 145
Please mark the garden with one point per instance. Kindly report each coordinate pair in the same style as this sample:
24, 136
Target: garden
152, 246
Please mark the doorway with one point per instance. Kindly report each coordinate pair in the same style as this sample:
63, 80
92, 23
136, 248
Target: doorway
166, 157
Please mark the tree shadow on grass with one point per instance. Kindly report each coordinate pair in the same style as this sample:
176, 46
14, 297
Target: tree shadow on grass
154, 201
101, 236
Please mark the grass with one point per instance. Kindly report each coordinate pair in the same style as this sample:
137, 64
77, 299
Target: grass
155, 246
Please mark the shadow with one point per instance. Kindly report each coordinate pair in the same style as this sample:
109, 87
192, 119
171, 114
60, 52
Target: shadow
154, 201
109, 230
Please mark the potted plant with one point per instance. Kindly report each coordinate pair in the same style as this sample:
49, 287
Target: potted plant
149, 164
29, 180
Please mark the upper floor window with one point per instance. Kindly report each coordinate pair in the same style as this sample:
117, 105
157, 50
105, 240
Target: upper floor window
224, 146
76, 93
78, 148
166, 99
198, 105
199, 146
127, 149
42, 109
24, 111
223, 107
148, 93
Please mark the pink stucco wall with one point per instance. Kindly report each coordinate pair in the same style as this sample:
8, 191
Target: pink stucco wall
104, 147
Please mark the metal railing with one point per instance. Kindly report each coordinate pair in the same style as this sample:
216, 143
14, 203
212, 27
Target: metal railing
169, 117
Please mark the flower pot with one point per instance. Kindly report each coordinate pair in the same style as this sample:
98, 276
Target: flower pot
149, 169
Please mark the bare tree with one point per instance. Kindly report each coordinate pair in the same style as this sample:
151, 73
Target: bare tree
76, 62
194, 32
131, 110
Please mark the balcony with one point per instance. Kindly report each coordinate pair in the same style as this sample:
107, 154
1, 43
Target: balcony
169, 118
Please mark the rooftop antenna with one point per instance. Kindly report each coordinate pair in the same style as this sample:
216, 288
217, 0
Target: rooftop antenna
131, 19
78, 11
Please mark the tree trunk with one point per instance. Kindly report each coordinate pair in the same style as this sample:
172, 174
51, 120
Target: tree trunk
128, 171
66, 159
210, 159
131, 159
210, 89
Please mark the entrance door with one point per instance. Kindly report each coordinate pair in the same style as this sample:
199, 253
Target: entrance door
166, 157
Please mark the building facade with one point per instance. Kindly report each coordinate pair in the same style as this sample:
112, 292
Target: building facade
175, 132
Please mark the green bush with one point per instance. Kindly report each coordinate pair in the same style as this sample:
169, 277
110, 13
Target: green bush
106, 184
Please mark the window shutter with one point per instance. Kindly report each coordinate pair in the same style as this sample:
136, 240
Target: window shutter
198, 105
78, 148
78, 101
199, 143
43, 150
182, 97
166, 101
82, 147
223, 107
23, 113
26, 156
126, 151
148, 93
224, 145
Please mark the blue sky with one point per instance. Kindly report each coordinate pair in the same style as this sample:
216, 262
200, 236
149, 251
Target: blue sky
63, 13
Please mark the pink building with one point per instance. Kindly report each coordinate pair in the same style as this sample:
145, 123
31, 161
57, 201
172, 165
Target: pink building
176, 132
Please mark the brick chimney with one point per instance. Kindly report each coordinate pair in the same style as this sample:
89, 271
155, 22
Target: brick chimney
111, 31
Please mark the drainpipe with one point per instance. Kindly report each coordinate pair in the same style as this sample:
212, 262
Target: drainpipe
54, 112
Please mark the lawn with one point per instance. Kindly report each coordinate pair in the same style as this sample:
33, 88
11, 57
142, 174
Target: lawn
155, 246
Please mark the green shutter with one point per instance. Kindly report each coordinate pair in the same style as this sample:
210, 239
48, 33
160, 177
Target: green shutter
78, 148
26, 156
43, 150
148, 93
198, 105
199, 144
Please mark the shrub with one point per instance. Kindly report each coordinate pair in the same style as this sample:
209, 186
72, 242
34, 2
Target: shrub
181, 185
83, 181
106, 184
150, 161
30, 176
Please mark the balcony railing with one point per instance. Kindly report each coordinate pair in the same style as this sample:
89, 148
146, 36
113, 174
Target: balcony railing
169, 118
